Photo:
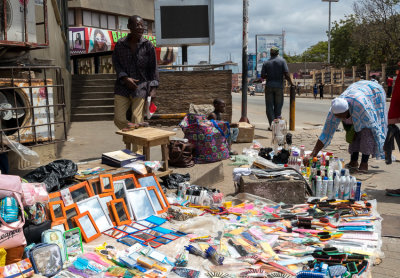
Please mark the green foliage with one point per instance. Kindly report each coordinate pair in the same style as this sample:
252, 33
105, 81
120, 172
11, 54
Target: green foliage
316, 53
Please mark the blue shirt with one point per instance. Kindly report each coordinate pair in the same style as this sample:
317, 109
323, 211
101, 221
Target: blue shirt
273, 71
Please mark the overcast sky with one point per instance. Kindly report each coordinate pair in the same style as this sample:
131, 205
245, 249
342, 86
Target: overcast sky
304, 21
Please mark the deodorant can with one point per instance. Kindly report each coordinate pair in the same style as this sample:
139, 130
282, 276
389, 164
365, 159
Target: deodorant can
357, 197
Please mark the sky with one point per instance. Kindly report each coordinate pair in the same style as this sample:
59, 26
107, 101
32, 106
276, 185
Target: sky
304, 21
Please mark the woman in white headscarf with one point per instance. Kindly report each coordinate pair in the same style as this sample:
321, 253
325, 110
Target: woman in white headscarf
362, 109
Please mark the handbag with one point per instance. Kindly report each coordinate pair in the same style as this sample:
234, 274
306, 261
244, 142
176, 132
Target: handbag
12, 235
9, 209
46, 259
209, 138
33, 233
21, 269
181, 154
36, 214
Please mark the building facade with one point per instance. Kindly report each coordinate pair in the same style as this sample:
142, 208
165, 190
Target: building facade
96, 25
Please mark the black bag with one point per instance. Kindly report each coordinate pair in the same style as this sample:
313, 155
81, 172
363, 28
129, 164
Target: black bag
172, 181
181, 154
33, 233
54, 174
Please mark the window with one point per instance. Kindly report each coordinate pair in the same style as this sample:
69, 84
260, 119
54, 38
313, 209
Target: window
123, 23
99, 20
103, 21
145, 27
71, 17
87, 18
95, 19
111, 22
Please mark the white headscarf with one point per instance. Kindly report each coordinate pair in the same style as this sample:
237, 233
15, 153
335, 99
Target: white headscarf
339, 105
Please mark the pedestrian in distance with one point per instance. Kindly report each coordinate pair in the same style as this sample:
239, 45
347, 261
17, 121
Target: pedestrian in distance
361, 108
274, 70
135, 63
321, 91
315, 90
389, 83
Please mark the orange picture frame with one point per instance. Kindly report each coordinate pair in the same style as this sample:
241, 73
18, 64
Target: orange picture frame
55, 196
51, 210
115, 212
159, 189
78, 186
112, 218
60, 222
160, 202
94, 185
130, 176
102, 188
69, 219
84, 230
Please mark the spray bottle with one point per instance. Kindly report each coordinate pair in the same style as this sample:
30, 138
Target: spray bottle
343, 182
324, 187
353, 188
319, 187
330, 190
336, 186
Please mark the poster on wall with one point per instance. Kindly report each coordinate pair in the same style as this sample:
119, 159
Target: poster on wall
264, 43
99, 40
77, 43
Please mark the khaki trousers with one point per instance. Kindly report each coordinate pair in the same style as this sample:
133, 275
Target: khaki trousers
121, 106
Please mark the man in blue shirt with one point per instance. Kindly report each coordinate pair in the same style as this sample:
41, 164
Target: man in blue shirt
273, 71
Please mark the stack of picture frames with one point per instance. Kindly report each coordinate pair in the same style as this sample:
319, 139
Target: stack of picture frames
123, 207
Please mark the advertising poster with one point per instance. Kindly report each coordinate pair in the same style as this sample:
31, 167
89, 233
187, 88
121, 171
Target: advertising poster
77, 44
264, 43
99, 40
251, 66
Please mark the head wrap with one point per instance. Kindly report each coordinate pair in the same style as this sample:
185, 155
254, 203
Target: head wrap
275, 50
339, 105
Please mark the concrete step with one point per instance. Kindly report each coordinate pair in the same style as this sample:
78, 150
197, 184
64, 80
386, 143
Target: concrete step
94, 82
86, 89
91, 95
92, 109
93, 76
92, 117
92, 102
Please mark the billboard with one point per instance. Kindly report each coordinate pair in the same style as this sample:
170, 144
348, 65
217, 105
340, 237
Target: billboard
264, 43
184, 22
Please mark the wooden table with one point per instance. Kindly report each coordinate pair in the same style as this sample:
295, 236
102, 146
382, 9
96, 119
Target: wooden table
149, 137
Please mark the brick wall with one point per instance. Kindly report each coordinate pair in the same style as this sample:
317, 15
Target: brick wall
179, 89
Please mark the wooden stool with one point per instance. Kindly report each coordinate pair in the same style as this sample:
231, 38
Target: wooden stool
149, 137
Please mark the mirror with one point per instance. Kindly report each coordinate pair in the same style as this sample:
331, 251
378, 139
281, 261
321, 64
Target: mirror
151, 181
127, 229
169, 236
104, 199
129, 240
143, 236
147, 224
114, 233
119, 207
71, 211
106, 183
87, 226
80, 192
155, 198
97, 211
57, 210
95, 186
163, 240
140, 203
119, 189
73, 242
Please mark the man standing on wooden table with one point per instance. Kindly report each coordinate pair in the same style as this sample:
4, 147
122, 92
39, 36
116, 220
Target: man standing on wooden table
135, 63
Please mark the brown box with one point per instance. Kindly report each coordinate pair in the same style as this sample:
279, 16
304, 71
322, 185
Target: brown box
286, 191
246, 133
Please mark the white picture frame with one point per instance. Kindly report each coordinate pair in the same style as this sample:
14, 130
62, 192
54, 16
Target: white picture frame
98, 212
139, 203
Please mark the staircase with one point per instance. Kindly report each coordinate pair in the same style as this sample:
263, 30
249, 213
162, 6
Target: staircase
92, 97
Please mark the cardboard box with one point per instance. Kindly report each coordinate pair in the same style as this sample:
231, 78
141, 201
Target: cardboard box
246, 133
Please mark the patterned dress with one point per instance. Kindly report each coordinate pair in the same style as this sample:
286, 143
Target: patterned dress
367, 107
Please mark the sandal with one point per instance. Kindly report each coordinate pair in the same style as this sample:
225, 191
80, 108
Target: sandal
393, 192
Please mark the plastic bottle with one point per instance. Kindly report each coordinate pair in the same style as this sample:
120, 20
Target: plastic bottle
347, 188
319, 187
353, 188
358, 192
302, 151
324, 187
336, 186
330, 191
343, 181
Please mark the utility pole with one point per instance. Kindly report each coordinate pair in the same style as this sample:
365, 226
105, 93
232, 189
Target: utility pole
244, 60
329, 29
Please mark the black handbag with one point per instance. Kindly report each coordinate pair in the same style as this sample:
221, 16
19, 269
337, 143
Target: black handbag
33, 233
181, 154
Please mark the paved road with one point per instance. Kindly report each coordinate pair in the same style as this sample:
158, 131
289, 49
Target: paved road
308, 110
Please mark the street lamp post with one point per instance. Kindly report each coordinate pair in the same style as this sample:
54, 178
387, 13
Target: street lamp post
244, 61
329, 29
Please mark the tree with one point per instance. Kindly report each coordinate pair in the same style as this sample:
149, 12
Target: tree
316, 53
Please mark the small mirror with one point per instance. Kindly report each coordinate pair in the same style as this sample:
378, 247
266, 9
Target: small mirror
71, 212
129, 240
127, 229
105, 198
140, 203
119, 207
106, 183
57, 210
143, 236
149, 181
155, 198
119, 189
87, 225
129, 183
73, 242
80, 192
95, 186
97, 211
114, 233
